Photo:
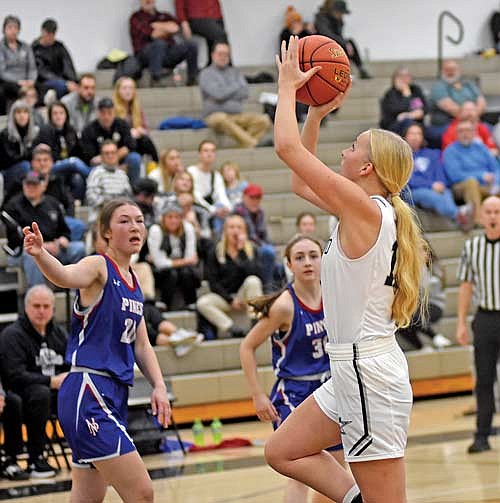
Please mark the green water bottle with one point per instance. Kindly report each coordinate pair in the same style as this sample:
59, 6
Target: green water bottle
198, 433
216, 427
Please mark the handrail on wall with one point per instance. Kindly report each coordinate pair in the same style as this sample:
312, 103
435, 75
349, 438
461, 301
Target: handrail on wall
456, 41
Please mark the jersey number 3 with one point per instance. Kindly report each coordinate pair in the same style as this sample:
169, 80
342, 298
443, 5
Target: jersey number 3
129, 332
389, 280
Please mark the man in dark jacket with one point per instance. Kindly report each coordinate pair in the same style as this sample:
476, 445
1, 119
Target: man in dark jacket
32, 367
53, 61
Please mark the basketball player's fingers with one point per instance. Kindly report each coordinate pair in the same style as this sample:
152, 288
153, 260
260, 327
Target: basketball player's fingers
278, 62
283, 50
36, 229
26, 230
312, 71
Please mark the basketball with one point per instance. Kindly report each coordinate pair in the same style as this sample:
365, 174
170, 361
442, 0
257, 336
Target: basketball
335, 73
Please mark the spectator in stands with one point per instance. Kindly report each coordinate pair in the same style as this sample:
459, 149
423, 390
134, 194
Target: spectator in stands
294, 26
233, 275
209, 190
201, 18
106, 181
155, 42
428, 183
82, 103
108, 127
305, 223
32, 353
128, 107
230, 172
145, 191
17, 63
469, 111
16, 142
54, 64
403, 104
170, 165
480, 276
433, 283
32, 205
447, 96
64, 143
329, 21
30, 96
172, 248
251, 211
495, 30
224, 91
470, 167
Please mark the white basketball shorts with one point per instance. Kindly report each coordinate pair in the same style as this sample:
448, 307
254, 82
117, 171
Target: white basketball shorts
369, 396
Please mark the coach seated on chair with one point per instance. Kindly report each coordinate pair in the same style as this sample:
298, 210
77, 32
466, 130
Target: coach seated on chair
32, 369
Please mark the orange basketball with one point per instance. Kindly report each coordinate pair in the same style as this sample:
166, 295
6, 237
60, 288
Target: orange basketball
335, 73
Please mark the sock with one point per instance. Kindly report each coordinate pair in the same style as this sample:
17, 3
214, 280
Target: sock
353, 495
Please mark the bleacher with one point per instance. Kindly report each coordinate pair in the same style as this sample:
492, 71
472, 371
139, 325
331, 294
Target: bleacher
208, 381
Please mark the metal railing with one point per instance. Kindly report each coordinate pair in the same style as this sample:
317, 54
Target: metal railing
454, 41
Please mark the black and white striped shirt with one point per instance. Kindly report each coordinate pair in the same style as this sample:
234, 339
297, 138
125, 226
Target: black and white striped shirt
480, 265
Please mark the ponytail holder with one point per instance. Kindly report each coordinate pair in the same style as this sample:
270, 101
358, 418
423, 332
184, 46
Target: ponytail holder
395, 194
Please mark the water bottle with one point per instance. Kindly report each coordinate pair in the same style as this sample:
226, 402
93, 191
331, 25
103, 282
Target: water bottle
216, 427
198, 433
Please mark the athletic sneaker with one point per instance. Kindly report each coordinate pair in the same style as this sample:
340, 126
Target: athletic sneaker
12, 471
440, 341
40, 469
465, 217
182, 336
184, 349
480, 444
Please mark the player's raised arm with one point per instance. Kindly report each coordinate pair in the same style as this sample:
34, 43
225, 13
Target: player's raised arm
80, 275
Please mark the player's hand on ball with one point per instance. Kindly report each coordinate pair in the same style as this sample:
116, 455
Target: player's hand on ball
288, 67
33, 240
160, 406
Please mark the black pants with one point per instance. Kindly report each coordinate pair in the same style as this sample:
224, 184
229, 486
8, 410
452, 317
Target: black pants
185, 279
212, 30
410, 333
355, 57
9, 92
31, 405
486, 329
145, 146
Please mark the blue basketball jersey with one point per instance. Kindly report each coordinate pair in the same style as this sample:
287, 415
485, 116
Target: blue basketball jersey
103, 334
301, 351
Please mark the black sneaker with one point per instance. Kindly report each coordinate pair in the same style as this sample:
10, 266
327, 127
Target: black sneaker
480, 444
12, 471
40, 469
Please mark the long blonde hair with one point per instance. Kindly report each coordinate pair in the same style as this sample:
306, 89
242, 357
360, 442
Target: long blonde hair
166, 175
221, 246
124, 110
393, 161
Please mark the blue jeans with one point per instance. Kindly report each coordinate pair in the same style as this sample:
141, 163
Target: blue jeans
133, 162
72, 254
441, 203
267, 259
77, 228
74, 172
59, 86
14, 173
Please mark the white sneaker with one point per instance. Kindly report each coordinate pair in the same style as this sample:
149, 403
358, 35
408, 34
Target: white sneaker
440, 341
184, 349
182, 336
50, 97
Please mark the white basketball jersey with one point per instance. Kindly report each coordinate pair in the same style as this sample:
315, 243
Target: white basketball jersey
358, 293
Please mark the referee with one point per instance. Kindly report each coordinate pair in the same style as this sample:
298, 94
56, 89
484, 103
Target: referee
479, 273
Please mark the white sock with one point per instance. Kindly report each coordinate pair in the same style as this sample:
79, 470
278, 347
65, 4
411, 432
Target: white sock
351, 494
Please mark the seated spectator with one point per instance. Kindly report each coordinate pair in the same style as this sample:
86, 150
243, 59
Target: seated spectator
32, 205
64, 143
30, 96
233, 275
250, 210
495, 30
108, 127
469, 111
155, 44
470, 167
106, 181
428, 183
172, 248
170, 165
447, 96
54, 64
305, 223
403, 104
224, 92
128, 107
230, 172
209, 190
16, 142
329, 21
294, 26
203, 19
433, 282
145, 191
17, 64
82, 103
32, 365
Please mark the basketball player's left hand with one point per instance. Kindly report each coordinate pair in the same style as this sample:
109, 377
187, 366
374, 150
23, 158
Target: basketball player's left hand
160, 406
288, 67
